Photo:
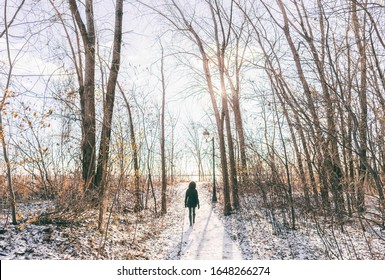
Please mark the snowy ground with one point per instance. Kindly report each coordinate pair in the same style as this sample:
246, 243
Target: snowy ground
262, 238
243, 235
130, 235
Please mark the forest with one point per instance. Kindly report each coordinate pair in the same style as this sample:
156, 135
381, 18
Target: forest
109, 108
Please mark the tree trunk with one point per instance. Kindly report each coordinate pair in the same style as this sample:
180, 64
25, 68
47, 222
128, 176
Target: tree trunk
320, 143
87, 94
332, 160
162, 140
138, 200
220, 53
235, 105
362, 91
108, 109
12, 199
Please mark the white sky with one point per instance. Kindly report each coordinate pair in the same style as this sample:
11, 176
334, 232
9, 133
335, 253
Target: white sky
140, 49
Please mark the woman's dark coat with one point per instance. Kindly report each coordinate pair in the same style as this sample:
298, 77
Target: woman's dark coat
191, 199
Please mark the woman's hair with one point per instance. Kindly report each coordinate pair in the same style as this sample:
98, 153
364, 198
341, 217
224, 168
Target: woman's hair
192, 185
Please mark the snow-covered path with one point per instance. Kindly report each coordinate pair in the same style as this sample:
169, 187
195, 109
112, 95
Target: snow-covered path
207, 238
249, 233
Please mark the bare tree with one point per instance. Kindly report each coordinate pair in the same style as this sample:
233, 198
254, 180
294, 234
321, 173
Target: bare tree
361, 44
221, 42
6, 94
178, 20
162, 137
100, 178
87, 91
138, 200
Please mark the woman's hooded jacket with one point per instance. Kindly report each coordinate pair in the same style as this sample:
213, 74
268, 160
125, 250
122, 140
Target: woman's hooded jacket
191, 199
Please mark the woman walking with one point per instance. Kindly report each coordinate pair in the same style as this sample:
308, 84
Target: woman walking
191, 201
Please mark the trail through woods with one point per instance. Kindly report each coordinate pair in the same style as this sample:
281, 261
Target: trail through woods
252, 233
207, 238
249, 233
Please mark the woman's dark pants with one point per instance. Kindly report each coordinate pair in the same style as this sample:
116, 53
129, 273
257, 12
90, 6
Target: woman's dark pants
191, 215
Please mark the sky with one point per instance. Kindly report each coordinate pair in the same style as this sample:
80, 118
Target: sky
39, 60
